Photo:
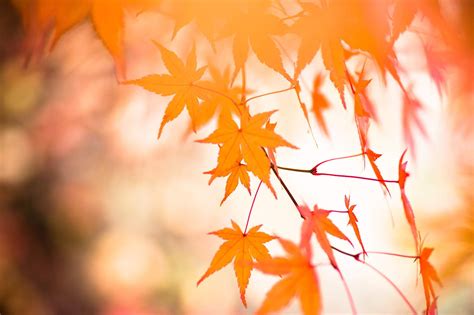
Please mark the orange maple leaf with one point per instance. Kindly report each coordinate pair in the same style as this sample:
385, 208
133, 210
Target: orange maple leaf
404, 13
428, 274
361, 115
246, 142
180, 82
372, 157
236, 173
255, 28
208, 15
411, 119
244, 249
353, 221
220, 96
320, 103
409, 214
359, 24
50, 17
317, 221
436, 63
299, 280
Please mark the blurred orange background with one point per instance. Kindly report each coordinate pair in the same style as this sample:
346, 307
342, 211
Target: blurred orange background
97, 216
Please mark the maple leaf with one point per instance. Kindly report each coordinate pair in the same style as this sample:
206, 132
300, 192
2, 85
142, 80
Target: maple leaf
404, 13
333, 59
43, 17
320, 103
317, 221
410, 119
208, 15
220, 96
236, 173
308, 27
246, 141
362, 107
299, 280
372, 157
409, 214
353, 221
243, 249
255, 27
180, 82
436, 62
271, 151
428, 274
360, 24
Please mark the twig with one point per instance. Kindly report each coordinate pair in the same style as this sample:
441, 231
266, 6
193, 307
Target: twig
251, 207
270, 93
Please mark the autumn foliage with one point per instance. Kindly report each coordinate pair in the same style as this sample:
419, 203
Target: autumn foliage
355, 40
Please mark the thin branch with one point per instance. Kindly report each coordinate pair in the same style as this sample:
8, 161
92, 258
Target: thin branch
251, 208
293, 169
312, 172
410, 306
349, 294
296, 89
336, 211
356, 257
338, 158
213, 91
356, 177
393, 254
288, 192
270, 93
244, 85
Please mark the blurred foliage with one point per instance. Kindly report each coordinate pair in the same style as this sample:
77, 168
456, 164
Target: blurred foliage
76, 238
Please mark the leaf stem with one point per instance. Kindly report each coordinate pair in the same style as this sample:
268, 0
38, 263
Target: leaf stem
312, 171
348, 291
410, 306
338, 158
214, 91
293, 169
270, 93
356, 257
336, 211
393, 254
288, 192
356, 177
251, 207
244, 85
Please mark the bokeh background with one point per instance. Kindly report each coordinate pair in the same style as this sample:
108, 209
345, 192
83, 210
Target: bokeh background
97, 216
